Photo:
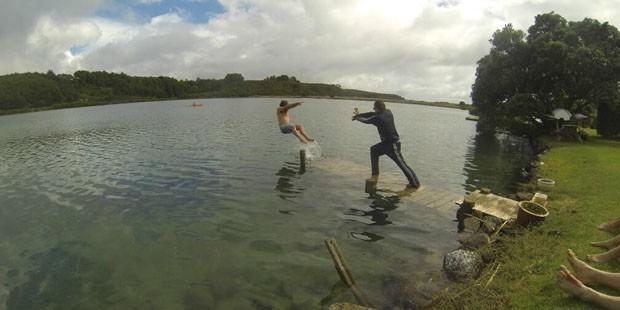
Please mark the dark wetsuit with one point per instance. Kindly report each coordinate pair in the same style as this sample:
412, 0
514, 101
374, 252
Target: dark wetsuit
389, 145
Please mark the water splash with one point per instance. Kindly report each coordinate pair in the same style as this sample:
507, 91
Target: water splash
313, 150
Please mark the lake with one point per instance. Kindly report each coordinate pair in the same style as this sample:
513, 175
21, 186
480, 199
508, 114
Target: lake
158, 205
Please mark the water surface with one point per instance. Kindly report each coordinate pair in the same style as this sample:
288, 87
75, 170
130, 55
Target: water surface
158, 205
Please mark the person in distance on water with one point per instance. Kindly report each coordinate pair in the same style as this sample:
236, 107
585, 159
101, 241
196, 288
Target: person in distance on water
390, 142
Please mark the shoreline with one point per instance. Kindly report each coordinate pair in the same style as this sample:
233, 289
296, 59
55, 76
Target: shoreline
523, 262
90, 104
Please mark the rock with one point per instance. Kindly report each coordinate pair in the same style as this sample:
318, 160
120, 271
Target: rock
347, 306
490, 223
524, 196
471, 224
413, 290
462, 264
473, 241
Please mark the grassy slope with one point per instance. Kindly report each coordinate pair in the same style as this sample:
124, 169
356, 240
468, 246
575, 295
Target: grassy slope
587, 193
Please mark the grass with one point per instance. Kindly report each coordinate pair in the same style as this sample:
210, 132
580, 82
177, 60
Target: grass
585, 195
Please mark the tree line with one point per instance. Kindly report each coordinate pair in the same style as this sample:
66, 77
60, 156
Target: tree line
557, 64
23, 91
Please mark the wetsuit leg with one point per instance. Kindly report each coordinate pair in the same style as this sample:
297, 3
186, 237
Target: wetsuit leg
376, 151
397, 157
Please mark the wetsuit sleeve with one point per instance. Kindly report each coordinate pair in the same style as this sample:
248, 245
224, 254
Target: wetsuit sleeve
367, 118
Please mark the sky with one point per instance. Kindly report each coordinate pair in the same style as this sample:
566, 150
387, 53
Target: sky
419, 49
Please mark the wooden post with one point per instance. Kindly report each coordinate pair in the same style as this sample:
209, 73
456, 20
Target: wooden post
302, 160
345, 273
371, 186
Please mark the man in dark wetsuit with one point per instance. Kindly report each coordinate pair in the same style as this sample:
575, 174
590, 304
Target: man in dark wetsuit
390, 142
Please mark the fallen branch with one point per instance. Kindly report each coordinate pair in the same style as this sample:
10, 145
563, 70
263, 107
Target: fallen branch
492, 276
345, 274
496, 232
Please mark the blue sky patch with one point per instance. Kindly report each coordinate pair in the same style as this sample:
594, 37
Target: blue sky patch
77, 49
195, 11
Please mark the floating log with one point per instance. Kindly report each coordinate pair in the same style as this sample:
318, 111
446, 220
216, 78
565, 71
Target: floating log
345, 274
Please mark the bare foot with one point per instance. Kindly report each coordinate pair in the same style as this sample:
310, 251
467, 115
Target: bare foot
583, 271
568, 283
603, 244
607, 244
598, 258
610, 226
600, 244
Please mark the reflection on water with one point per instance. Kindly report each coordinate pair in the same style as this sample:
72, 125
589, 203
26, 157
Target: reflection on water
497, 162
285, 185
379, 209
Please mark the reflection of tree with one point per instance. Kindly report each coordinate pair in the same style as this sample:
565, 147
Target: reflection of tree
380, 205
287, 176
497, 162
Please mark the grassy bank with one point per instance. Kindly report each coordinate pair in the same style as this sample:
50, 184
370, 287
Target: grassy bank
586, 194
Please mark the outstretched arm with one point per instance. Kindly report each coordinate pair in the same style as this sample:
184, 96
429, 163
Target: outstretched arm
367, 118
290, 106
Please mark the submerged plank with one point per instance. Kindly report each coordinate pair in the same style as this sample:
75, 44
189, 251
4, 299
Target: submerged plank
392, 184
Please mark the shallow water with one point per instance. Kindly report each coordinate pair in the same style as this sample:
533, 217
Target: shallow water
160, 205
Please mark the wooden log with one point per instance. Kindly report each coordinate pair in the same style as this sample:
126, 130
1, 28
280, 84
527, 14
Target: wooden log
302, 159
345, 274
371, 186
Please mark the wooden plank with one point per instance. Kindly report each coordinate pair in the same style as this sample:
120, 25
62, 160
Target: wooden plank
387, 184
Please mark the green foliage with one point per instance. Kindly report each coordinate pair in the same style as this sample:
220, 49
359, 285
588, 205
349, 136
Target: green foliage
26, 91
608, 120
231, 78
559, 64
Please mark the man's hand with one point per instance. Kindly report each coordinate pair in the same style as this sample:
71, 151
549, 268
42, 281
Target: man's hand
355, 113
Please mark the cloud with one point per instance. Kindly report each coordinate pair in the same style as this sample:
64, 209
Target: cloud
21, 48
425, 49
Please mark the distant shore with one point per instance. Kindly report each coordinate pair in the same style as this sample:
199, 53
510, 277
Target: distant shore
88, 104
441, 104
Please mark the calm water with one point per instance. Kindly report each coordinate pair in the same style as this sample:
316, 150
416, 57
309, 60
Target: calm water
163, 206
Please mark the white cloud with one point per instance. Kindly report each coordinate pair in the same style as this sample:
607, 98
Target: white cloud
418, 49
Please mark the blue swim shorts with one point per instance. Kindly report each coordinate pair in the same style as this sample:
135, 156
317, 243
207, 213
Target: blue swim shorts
286, 128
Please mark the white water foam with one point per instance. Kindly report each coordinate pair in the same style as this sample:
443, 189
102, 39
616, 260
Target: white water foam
313, 150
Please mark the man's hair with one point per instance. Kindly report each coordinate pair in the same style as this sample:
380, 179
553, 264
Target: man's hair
283, 103
380, 105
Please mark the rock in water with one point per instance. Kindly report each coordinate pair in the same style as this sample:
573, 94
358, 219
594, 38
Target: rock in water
462, 264
473, 241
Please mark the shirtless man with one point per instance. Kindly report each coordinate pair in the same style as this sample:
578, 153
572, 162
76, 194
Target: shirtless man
286, 126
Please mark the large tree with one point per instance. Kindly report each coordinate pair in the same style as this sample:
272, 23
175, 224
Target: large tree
559, 64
